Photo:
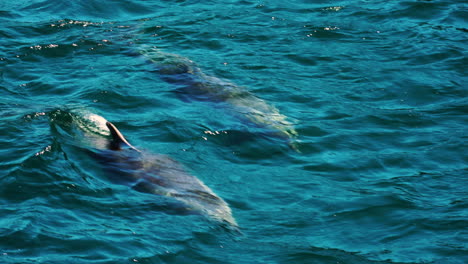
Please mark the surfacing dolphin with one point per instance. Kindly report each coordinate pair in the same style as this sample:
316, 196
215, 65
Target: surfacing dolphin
159, 174
193, 84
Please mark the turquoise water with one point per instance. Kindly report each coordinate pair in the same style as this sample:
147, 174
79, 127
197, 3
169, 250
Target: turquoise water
373, 96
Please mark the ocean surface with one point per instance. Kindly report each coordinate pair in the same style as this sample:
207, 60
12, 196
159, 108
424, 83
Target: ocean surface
336, 131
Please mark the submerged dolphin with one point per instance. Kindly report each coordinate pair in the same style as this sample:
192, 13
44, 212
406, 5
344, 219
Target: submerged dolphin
193, 84
159, 174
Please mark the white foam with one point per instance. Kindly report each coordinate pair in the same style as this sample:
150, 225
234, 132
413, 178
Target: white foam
98, 124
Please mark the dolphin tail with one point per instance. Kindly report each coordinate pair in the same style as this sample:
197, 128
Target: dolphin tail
117, 138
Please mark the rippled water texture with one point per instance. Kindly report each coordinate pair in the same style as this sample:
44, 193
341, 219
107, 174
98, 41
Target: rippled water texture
335, 130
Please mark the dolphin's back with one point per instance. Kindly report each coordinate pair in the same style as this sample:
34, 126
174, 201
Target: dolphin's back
161, 175
193, 84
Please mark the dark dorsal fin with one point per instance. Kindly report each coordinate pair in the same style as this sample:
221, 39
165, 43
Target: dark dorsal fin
117, 138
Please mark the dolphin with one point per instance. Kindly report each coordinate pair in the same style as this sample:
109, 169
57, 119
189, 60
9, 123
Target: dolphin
159, 175
193, 84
